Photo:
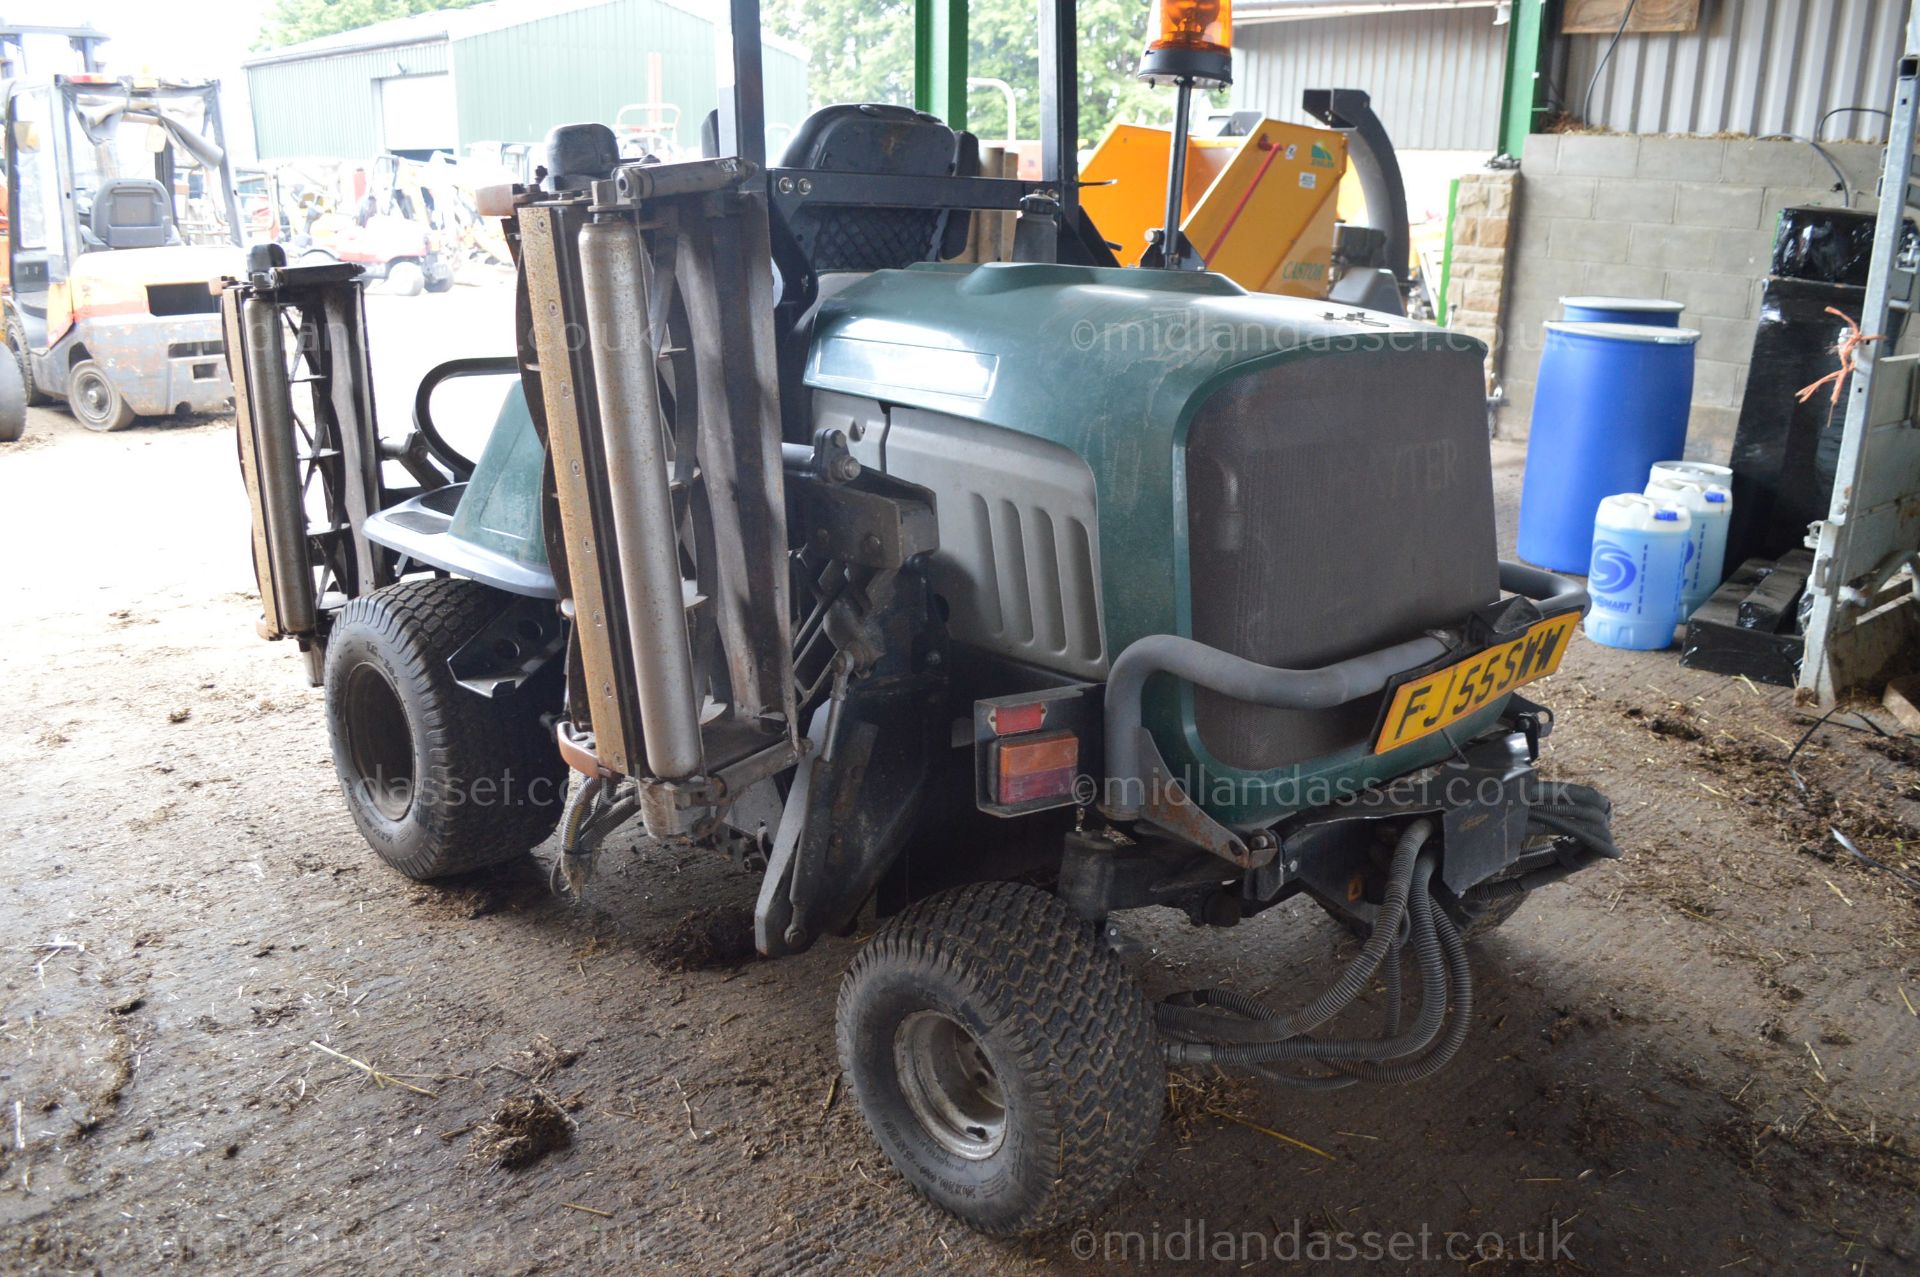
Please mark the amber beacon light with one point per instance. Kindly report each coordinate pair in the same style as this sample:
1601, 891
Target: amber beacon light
1192, 44
1192, 48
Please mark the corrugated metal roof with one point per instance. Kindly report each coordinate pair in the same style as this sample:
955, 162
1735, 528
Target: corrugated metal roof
1253, 11
1756, 67
1434, 75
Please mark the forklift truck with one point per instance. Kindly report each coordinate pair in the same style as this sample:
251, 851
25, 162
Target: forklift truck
123, 220
960, 596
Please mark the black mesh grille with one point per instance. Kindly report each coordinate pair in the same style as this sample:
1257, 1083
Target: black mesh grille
1335, 505
862, 239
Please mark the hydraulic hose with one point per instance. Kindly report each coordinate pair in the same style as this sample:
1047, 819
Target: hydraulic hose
1436, 977
1459, 993
1219, 1026
1353, 980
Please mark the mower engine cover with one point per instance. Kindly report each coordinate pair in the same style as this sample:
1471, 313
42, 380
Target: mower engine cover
1287, 480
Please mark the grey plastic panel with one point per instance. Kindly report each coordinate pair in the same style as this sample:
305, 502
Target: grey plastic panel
864, 421
1019, 533
421, 529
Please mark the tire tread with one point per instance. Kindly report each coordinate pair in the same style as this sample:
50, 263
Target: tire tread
421, 622
1081, 1020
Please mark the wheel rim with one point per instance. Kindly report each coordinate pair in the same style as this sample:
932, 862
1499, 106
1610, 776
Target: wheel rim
950, 1085
379, 742
93, 398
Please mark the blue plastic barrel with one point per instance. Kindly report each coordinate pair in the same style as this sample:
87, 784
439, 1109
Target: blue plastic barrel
1611, 400
1622, 310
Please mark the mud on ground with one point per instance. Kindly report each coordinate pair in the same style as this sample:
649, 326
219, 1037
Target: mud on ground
1700, 1059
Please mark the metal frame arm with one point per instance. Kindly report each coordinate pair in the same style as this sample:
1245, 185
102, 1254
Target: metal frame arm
1245, 680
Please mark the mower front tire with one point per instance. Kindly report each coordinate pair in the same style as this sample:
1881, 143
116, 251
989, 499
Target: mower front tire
439, 779
1002, 1056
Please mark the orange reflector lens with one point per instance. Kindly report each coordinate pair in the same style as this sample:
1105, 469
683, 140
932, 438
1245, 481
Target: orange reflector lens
1202, 25
1011, 720
1042, 767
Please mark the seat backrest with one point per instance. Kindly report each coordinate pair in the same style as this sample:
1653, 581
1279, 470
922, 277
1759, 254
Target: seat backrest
130, 212
883, 139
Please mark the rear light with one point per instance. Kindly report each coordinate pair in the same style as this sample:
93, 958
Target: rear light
1011, 720
1035, 750
1035, 768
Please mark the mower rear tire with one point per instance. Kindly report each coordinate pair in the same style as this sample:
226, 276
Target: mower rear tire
439, 779
1003, 1057
1484, 919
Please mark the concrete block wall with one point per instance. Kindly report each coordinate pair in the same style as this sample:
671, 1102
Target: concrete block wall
1686, 218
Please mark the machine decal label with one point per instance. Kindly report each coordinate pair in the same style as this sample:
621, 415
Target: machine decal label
1429, 702
1309, 180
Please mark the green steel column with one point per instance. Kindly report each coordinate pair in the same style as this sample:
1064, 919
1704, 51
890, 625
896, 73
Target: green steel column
940, 59
1523, 92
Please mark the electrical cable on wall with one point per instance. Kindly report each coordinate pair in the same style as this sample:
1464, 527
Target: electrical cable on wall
1587, 101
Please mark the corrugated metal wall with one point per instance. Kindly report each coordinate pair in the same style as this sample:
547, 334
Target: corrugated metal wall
1434, 75
516, 83
1754, 67
788, 101
330, 105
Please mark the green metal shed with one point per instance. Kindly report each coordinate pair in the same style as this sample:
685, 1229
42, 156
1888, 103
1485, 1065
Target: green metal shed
503, 72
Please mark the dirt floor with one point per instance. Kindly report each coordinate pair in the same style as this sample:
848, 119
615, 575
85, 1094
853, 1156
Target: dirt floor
230, 1041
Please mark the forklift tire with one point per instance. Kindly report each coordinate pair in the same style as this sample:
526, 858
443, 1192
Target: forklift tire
1002, 1056
406, 279
94, 400
440, 284
440, 780
13, 403
17, 347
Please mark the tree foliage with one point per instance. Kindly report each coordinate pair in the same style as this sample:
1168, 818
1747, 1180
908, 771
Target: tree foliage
291, 21
863, 52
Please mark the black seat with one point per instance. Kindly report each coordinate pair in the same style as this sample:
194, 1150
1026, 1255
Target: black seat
131, 212
881, 139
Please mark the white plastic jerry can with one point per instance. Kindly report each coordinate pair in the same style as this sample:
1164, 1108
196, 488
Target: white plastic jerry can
1710, 507
1640, 548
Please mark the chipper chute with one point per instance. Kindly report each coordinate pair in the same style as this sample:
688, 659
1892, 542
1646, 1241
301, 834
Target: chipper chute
995, 600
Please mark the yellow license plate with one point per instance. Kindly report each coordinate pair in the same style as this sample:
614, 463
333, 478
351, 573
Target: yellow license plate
1424, 705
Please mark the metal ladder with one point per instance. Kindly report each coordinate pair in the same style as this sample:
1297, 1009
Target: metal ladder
1865, 586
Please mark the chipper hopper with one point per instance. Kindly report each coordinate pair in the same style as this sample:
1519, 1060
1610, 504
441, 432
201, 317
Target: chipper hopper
972, 598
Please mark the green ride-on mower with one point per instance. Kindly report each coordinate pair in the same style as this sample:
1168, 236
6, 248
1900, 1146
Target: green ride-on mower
994, 600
